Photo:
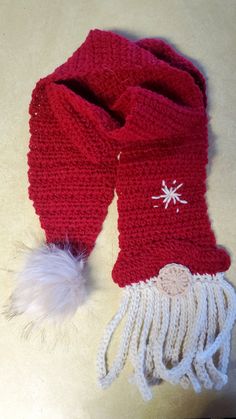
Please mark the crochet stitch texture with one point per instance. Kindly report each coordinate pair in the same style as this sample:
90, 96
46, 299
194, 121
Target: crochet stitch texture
143, 100
130, 116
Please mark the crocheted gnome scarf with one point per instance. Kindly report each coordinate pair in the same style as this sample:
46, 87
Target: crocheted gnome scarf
130, 116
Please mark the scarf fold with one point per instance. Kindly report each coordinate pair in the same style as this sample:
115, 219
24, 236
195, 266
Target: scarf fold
130, 116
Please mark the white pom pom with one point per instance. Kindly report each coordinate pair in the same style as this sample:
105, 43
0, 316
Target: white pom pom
51, 285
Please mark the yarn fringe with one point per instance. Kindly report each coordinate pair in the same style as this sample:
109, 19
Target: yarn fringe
182, 339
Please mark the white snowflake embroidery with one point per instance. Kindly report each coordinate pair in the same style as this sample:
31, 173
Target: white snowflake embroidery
170, 194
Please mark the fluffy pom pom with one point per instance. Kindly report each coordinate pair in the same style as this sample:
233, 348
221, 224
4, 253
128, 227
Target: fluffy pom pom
51, 286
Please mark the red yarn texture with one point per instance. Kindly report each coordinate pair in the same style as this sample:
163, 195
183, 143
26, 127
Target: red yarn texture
131, 116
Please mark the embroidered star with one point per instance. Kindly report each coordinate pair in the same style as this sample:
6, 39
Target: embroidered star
170, 194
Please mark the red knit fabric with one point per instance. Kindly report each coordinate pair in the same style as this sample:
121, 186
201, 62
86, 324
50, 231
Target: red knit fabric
142, 102
70, 193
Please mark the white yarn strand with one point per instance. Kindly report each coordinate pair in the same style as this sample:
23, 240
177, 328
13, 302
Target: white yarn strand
190, 313
224, 350
151, 371
118, 364
180, 333
140, 370
200, 367
173, 375
172, 337
111, 327
229, 321
135, 339
218, 377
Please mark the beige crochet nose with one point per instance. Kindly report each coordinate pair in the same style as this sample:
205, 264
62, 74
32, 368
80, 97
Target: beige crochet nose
174, 279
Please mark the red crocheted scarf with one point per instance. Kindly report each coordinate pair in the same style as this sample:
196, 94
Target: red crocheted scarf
131, 117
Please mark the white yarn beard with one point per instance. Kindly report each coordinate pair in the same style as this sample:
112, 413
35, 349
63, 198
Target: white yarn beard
181, 339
